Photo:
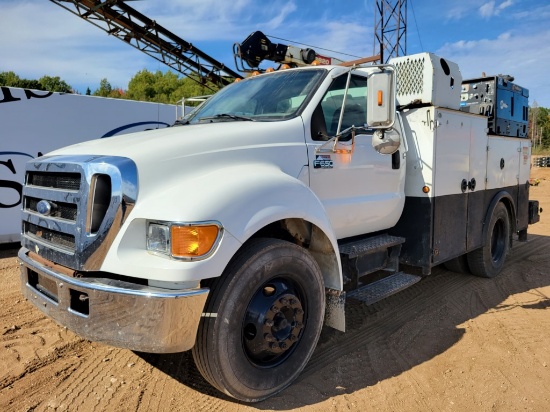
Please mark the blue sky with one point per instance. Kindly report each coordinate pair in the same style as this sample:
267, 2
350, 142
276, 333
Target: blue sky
39, 38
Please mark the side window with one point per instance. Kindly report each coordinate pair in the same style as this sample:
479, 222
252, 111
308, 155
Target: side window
355, 112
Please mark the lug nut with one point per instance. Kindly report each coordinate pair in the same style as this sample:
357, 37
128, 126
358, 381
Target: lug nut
274, 309
284, 301
293, 301
283, 345
298, 311
269, 337
292, 338
273, 345
268, 322
299, 324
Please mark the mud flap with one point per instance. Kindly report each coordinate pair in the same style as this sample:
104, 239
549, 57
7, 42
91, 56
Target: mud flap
335, 313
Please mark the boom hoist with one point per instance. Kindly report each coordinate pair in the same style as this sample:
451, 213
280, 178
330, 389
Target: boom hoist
257, 47
127, 24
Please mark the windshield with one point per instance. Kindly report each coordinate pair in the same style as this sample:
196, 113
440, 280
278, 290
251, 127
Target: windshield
274, 96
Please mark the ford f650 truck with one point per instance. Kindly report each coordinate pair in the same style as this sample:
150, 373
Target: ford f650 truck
242, 231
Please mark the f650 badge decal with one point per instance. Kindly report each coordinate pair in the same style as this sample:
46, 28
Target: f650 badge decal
323, 162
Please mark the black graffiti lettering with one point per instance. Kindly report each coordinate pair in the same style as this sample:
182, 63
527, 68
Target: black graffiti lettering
6, 92
18, 187
9, 97
30, 94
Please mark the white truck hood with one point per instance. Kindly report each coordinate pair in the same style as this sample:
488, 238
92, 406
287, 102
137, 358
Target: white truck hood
165, 157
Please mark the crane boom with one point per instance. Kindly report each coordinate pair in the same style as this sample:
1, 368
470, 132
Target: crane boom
124, 22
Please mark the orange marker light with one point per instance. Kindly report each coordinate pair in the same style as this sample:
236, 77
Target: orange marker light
426, 189
193, 241
380, 97
285, 66
269, 70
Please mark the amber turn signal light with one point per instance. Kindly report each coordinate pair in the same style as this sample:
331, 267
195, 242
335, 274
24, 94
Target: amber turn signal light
193, 241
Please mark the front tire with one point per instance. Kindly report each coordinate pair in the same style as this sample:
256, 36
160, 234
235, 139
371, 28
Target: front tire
261, 321
488, 260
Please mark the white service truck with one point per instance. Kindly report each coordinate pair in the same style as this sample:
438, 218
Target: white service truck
241, 231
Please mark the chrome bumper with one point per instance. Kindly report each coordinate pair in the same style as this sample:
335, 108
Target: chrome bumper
122, 314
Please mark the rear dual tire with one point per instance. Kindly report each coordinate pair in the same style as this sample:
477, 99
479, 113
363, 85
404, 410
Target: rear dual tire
488, 260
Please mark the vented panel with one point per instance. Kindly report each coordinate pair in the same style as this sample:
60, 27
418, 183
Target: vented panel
410, 77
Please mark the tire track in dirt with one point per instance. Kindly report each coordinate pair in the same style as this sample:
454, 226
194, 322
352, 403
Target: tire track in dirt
177, 377
94, 383
41, 376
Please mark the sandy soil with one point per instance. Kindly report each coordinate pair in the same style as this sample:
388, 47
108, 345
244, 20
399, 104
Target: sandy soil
450, 343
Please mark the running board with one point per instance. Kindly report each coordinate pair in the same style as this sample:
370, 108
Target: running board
381, 289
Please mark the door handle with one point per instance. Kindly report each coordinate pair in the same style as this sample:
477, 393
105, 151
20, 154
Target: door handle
464, 185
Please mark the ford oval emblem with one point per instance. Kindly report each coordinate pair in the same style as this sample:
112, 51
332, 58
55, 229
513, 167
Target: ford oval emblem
44, 208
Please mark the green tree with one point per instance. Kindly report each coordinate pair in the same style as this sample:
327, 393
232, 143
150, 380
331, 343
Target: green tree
141, 86
539, 126
105, 88
54, 84
46, 83
162, 87
9, 79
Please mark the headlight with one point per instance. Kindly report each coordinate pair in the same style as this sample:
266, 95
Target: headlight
188, 241
158, 238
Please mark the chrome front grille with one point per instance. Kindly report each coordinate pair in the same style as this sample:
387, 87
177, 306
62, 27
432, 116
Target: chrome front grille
74, 204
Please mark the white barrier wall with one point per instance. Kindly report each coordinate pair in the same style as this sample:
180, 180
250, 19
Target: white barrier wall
35, 122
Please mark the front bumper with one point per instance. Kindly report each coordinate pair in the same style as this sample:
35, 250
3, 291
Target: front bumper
117, 313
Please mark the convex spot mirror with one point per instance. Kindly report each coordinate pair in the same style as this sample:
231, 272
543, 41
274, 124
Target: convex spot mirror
381, 98
386, 141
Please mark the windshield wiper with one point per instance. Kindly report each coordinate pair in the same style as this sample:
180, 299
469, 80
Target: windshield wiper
180, 122
227, 116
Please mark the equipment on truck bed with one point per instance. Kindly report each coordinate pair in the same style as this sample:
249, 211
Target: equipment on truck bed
503, 102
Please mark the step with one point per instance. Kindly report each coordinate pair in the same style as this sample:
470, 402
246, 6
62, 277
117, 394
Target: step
370, 245
383, 288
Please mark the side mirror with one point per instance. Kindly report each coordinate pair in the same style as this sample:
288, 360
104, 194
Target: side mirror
381, 98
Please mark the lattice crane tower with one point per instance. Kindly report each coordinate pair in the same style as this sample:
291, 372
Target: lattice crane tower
390, 29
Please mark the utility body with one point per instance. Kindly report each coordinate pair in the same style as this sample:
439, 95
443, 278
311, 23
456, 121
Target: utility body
242, 231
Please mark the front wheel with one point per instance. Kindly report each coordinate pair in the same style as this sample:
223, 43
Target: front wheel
262, 320
488, 260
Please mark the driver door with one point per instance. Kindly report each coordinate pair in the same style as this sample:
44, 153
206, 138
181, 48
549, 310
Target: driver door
362, 190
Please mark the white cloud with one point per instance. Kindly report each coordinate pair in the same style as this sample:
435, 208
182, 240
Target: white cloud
280, 17
489, 10
524, 56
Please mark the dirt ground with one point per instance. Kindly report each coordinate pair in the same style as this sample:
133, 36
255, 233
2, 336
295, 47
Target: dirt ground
450, 343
